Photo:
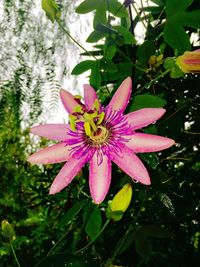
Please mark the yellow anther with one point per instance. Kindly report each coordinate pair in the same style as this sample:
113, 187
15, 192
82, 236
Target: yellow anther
72, 122
101, 117
87, 128
78, 97
89, 118
78, 109
96, 105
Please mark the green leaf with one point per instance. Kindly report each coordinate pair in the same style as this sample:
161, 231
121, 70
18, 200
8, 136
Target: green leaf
124, 70
174, 6
87, 6
51, 9
100, 15
95, 77
111, 67
71, 213
144, 52
128, 36
82, 67
177, 18
95, 36
176, 37
117, 9
147, 101
94, 223
110, 52
175, 71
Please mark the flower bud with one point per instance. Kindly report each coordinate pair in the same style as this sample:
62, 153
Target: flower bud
8, 230
189, 61
120, 203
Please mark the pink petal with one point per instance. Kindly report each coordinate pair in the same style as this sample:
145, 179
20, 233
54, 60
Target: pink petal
56, 132
132, 165
52, 154
141, 142
68, 100
144, 117
99, 179
121, 97
89, 96
67, 173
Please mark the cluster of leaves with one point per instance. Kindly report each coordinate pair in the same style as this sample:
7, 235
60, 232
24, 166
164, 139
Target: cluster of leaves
160, 226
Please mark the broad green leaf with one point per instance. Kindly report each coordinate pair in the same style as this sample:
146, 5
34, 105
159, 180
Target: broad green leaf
128, 36
110, 51
147, 101
117, 9
51, 9
177, 18
71, 213
189, 19
111, 67
87, 6
95, 77
144, 52
175, 6
104, 28
94, 223
100, 14
176, 37
82, 67
124, 70
95, 36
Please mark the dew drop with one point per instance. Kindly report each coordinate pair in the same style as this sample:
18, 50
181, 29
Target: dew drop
135, 181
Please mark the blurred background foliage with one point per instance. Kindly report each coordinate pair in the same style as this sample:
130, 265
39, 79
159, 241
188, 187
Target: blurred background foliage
161, 225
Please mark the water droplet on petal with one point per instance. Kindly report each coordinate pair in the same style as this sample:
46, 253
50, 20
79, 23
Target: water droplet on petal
135, 181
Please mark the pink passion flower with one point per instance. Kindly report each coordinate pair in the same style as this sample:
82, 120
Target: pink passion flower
99, 135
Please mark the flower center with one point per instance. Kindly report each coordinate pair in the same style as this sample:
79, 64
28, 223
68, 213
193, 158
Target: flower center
99, 136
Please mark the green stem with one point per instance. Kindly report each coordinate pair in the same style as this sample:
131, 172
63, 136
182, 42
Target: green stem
72, 38
136, 11
128, 59
14, 254
93, 240
155, 79
82, 227
62, 237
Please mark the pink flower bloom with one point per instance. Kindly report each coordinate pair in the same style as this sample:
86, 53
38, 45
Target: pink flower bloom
99, 135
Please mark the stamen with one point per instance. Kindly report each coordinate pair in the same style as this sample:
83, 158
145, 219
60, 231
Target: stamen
87, 128
96, 105
78, 109
101, 117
